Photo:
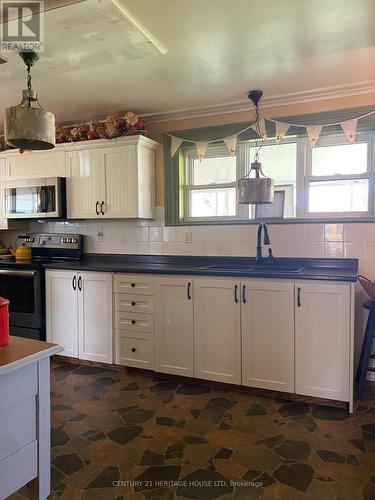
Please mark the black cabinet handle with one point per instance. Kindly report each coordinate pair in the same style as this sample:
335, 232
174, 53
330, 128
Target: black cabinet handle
299, 297
74, 282
235, 294
244, 294
132, 285
133, 303
101, 207
80, 283
96, 208
188, 291
133, 321
133, 349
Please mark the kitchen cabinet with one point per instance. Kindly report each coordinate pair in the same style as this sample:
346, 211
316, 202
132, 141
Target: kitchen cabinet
114, 181
174, 326
79, 314
5, 223
217, 334
323, 340
134, 320
34, 164
267, 319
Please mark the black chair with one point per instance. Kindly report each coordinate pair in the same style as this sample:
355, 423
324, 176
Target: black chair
363, 365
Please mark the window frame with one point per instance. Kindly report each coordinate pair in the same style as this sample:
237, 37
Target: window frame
303, 177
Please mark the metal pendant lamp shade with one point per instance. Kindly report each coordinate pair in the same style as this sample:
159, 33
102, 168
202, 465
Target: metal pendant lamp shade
28, 126
255, 190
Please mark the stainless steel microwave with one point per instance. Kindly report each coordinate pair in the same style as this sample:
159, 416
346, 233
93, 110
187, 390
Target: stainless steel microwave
34, 198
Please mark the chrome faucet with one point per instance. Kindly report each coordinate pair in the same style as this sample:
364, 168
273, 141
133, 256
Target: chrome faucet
266, 241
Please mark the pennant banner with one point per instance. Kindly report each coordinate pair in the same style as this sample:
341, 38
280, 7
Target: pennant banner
313, 132
262, 128
175, 144
201, 148
350, 128
281, 129
231, 143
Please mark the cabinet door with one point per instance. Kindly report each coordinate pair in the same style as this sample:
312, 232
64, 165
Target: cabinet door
85, 189
323, 340
174, 326
62, 311
95, 316
32, 165
121, 182
267, 323
217, 344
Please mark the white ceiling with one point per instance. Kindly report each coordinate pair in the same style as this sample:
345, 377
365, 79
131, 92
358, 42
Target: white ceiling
217, 50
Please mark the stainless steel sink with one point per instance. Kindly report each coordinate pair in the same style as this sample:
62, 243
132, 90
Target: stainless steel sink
256, 268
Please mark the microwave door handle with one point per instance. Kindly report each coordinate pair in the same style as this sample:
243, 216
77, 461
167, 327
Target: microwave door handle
43, 199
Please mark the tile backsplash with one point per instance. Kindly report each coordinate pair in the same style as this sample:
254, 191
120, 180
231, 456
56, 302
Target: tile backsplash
153, 237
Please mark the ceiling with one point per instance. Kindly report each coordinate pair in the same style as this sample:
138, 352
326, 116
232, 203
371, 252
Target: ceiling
216, 51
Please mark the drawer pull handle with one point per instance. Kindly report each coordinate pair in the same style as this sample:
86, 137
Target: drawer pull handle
133, 349
132, 285
133, 321
133, 303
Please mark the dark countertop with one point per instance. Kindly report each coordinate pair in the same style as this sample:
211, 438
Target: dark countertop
309, 269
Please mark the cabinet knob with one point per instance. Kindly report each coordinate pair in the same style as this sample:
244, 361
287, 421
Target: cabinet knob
133, 349
133, 303
133, 321
132, 285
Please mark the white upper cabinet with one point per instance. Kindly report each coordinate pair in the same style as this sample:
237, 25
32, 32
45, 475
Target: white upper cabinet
267, 318
116, 181
323, 329
174, 326
35, 164
217, 335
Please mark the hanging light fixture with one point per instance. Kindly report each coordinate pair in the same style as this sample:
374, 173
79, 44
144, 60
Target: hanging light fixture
259, 189
25, 126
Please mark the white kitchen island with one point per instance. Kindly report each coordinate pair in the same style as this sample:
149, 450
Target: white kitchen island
25, 447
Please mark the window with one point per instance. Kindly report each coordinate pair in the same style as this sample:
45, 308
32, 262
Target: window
211, 184
339, 178
332, 180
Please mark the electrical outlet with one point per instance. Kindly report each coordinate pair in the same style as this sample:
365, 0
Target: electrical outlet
188, 237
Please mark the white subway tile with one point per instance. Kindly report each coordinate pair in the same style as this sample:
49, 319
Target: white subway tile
315, 249
141, 234
227, 248
211, 249
333, 249
130, 246
287, 249
334, 232
244, 249
143, 247
367, 268
182, 248
156, 233
169, 234
286, 232
156, 247
355, 232
197, 248
181, 233
354, 250
314, 232
169, 248
370, 251
245, 233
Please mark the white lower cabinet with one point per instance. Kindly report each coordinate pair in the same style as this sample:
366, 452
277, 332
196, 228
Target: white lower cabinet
217, 334
323, 340
267, 321
79, 314
174, 326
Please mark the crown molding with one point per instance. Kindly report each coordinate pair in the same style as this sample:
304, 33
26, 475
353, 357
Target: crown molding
348, 90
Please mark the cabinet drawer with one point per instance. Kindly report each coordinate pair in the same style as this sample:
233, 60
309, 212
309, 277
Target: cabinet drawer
17, 386
134, 284
18, 469
131, 351
134, 303
134, 321
17, 427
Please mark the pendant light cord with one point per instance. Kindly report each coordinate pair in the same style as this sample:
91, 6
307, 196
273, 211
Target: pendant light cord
29, 82
258, 146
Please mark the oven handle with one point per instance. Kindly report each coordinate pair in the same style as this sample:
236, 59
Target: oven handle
12, 272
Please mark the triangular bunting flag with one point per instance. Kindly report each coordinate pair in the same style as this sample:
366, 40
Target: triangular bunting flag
350, 128
231, 142
313, 132
262, 128
281, 129
201, 148
175, 144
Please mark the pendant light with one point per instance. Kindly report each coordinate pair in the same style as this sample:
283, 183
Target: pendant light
259, 189
25, 126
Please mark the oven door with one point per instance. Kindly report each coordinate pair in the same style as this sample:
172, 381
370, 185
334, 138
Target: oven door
34, 198
24, 291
